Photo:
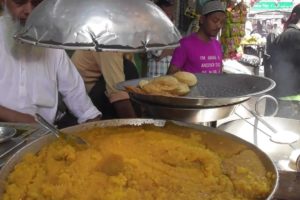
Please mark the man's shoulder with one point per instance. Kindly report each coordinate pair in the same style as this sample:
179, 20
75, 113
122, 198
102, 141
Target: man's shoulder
292, 31
55, 57
288, 37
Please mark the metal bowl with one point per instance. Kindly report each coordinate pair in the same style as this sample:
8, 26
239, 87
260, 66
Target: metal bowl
213, 138
279, 153
6, 133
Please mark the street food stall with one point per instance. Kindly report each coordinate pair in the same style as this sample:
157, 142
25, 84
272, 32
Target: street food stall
169, 156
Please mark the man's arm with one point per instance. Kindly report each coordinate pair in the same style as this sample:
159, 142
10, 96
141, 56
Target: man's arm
165, 53
124, 109
112, 69
71, 86
8, 115
178, 59
173, 69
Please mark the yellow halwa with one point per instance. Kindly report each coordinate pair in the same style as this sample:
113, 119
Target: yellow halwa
145, 162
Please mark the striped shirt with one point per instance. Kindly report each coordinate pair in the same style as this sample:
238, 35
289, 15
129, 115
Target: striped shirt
157, 68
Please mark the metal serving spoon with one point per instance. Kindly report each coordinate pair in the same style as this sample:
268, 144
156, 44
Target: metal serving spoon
71, 139
278, 136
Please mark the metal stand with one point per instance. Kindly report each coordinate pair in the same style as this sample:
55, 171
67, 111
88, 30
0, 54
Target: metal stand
207, 116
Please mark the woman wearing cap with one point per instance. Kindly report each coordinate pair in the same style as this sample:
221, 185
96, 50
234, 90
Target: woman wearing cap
285, 71
200, 52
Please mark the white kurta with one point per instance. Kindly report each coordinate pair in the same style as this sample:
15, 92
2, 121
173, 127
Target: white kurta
30, 84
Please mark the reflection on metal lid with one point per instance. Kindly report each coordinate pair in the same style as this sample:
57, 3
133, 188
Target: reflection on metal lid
101, 25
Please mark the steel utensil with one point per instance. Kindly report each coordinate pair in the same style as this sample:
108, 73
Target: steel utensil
18, 141
295, 158
6, 133
72, 139
284, 155
212, 90
279, 136
15, 144
12, 148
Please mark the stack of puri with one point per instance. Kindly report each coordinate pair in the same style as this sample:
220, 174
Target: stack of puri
177, 84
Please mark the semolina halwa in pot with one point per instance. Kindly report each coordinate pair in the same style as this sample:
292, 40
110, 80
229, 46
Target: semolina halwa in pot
141, 162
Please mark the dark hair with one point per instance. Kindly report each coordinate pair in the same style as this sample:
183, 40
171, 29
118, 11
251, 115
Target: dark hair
164, 3
294, 17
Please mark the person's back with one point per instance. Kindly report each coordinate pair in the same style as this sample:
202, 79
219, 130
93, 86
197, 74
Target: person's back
285, 61
101, 72
90, 66
285, 68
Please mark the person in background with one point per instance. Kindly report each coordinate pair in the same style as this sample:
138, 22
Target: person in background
201, 52
31, 78
248, 27
285, 67
158, 61
276, 29
101, 71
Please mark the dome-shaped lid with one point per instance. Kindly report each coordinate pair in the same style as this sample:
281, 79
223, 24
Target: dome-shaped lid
101, 25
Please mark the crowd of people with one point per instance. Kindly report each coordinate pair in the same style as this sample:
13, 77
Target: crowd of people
67, 90
70, 89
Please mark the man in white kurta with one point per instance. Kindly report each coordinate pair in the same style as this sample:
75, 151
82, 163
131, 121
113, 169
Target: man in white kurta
31, 77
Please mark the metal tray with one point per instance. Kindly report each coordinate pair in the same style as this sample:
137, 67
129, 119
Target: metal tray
211, 90
25, 132
213, 139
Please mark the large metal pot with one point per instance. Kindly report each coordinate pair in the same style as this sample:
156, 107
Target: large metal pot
213, 138
254, 132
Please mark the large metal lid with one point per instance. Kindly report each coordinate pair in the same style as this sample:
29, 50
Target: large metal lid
101, 25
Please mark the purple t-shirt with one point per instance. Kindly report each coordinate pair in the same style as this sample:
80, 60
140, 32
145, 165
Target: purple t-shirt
197, 56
